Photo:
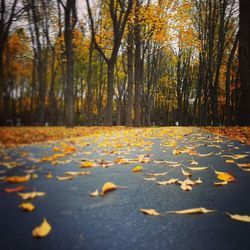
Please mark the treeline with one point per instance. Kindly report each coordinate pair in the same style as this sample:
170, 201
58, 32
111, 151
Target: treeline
131, 62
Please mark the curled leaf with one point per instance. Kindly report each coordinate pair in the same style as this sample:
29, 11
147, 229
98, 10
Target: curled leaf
94, 194
65, 178
158, 174
198, 210
137, 169
185, 173
243, 165
150, 211
77, 173
107, 187
197, 168
42, 230
27, 206
149, 178
176, 151
88, 164
243, 218
194, 162
221, 183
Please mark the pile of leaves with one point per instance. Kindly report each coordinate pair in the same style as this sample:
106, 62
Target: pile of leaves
241, 134
16, 136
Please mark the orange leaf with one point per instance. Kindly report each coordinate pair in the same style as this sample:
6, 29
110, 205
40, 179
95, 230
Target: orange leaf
17, 179
13, 190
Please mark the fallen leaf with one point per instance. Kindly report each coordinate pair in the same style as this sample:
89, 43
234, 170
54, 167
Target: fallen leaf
176, 151
185, 173
88, 164
27, 206
17, 179
167, 182
235, 157
204, 155
94, 194
244, 218
13, 190
77, 173
221, 183
158, 174
197, 168
243, 165
224, 176
199, 210
65, 178
49, 175
151, 211
193, 162
137, 169
149, 178
186, 187
31, 195
229, 161
107, 187
42, 230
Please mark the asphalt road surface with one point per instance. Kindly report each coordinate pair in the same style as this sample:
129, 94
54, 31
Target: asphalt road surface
114, 222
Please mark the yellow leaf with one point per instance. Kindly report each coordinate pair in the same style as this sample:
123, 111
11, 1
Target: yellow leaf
149, 211
137, 169
186, 187
31, 195
176, 152
17, 179
224, 176
88, 164
42, 230
95, 193
64, 178
199, 210
244, 218
185, 173
107, 187
27, 206
168, 182
197, 168
229, 161
56, 149
204, 155
49, 175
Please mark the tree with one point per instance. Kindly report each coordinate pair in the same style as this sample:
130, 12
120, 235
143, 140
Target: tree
119, 12
244, 62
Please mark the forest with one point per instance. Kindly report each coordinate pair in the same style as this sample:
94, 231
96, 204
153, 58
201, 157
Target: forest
131, 62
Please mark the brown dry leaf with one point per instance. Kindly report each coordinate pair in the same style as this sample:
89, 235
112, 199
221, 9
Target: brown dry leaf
158, 174
185, 173
137, 169
77, 173
244, 218
197, 168
49, 175
224, 176
65, 178
31, 195
17, 179
198, 210
243, 165
27, 206
13, 190
94, 194
42, 230
220, 183
167, 182
150, 211
88, 164
107, 187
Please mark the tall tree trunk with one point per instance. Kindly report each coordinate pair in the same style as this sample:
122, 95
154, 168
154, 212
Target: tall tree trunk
129, 108
244, 57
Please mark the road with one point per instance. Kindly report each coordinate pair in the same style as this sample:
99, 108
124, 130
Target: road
114, 221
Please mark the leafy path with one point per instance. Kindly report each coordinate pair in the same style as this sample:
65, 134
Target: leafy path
156, 176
